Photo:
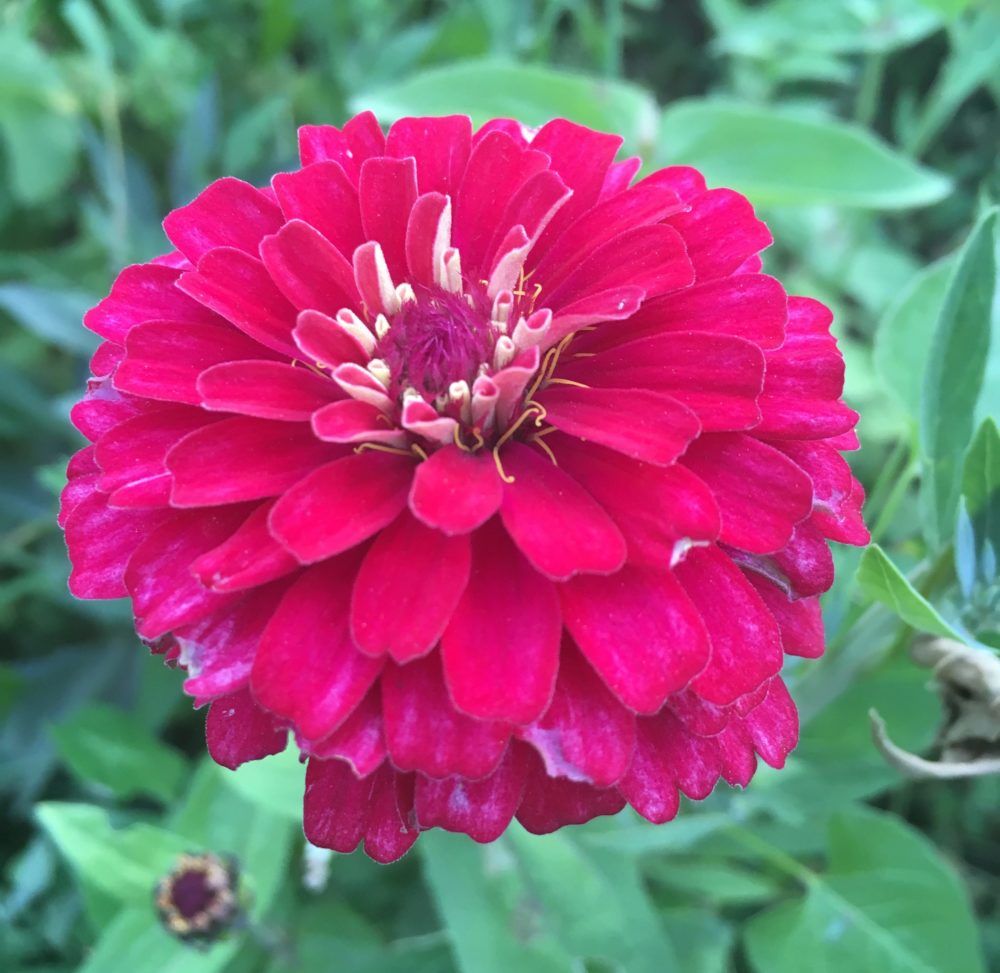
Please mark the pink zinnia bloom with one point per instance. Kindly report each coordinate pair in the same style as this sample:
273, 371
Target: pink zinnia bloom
502, 480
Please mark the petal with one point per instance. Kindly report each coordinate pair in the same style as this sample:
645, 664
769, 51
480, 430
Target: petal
144, 292
341, 504
554, 522
360, 139
165, 594
228, 213
805, 561
800, 621
586, 734
309, 270
482, 809
242, 459
238, 287
354, 421
238, 730
266, 389
640, 631
164, 358
389, 833
336, 806
774, 725
761, 494
407, 589
440, 146
359, 740
645, 425
456, 491
248, 558
100, 540
425, 732
428, 236
387, 190
746, 643
323, 196
307, 668
501, 648
326, 341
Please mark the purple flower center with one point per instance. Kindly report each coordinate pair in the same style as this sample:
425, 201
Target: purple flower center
192, 894
435, 340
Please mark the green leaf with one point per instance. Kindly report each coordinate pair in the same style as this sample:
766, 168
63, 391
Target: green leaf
902, 342
775, 157
634, 836
888, 903
105, 746
488, 89
981, 472
702, 938
275, 784
486, 910
54, 316
880, 579
954, 376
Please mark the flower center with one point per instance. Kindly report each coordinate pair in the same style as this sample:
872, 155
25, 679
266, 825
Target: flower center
437, 339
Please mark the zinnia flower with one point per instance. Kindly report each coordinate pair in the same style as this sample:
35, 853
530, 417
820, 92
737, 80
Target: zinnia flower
500, 479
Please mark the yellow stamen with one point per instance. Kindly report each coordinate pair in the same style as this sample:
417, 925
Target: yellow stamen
567, 381
382, 448
548, 449
419, 450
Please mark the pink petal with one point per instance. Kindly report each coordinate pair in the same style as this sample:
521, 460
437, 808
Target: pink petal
805, 561
389, 833
266, 389
104, 407
323, 196
238, 730
746, 643
238, 287
229, 213
645, 425
337, 804
532, 207
82, 474
482, 809
387, 190
243, 459
106, 358
655, 507
774, 725
688, 183
100, 540
554, 522
325, 341
309, 270
550, 803
143, 292
165, 594
307, 668
361, 138
800, 621
619, 176
501, 648
614, 304
407, 589
425, 732
426, 238
341, 504
761, 494
586, 734
439, 145
640, 631
164, 358
359, 740
250, 557
721, 232
353, 421
456, 491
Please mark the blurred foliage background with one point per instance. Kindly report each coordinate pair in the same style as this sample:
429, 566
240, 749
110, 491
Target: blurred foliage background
867, 132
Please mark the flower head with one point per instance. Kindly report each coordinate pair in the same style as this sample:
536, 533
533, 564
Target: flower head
500, 479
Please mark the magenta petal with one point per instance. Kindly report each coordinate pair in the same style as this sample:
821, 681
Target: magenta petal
341, 504
266, 389
639, 630
163, 359
238, 286
406, 591
82, 473
390, 833
165, 594
439, 145
360, 139
144, 292
242, 459
425, 732
309, 270
800, 621
805, 561
774, 725
648, 426
238, 730
324, 340
761, 493
425, 237
482, 809
555, 523
746, 643
336, 805
100, 540
387, 190
456, 491
354, 421
229, 213
585, 734
501, 649
323, 196
359, 740
250, 557
307, 668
